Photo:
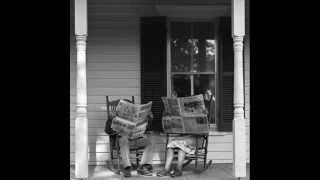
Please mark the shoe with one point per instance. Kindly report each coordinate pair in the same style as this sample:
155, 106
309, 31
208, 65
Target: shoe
145, 170
163, 173
176, 173
127, 171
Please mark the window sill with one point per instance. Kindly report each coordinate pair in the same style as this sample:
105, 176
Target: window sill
218, 133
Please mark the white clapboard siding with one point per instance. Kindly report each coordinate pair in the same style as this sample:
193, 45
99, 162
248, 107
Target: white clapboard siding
219, 148
102, 98
114, 91
113, 68
111, 83
109, 75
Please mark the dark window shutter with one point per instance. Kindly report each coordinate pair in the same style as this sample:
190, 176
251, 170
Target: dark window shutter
226, 58
153, 65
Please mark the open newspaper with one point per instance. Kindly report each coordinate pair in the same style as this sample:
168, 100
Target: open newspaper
171, 106
131, 119
185, 115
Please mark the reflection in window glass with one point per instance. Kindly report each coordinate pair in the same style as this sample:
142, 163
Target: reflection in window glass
181, 85
181, 54
205, 84
204, 58
202, 83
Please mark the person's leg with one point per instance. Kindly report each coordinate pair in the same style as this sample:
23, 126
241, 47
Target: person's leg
178, 172
145, 167
125, 153
147, 156
169, 158
181, 156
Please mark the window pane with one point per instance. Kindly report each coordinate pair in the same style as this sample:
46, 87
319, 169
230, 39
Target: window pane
181, 85
206, 84
203, 30
181, 54
181, 46
204, 58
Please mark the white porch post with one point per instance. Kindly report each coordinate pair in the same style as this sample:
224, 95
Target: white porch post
239, 135
81, 122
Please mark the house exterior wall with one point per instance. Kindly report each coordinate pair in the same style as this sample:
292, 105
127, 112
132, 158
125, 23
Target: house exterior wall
113, 68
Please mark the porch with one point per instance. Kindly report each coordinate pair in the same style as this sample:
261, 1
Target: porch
220, 171
112, 64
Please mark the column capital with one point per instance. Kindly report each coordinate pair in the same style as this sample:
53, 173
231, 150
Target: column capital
238, 44
237, 38
81, 42
82, 37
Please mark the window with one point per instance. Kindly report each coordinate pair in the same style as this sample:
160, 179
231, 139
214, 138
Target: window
193, 60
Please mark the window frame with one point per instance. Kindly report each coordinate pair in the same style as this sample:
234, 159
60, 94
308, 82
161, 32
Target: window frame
213, 126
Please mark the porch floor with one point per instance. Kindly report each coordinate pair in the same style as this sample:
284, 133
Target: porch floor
216, 172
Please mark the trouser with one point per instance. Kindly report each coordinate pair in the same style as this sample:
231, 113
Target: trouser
147, 155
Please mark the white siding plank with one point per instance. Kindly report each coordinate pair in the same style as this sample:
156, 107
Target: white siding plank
101, 99
110, 83
109, 91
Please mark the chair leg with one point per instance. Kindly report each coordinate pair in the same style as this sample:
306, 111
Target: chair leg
196, 153
137, 153
118, 154
137, 158
205, 151
111, 148
165, 152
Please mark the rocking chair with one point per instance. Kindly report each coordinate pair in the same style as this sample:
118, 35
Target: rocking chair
201, 145
114, 147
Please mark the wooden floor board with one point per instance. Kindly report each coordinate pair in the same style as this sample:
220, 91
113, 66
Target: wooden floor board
219, 171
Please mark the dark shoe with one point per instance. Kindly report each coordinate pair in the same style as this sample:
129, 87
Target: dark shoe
127, 171
145, 170
148, 166
176, 173
163, 173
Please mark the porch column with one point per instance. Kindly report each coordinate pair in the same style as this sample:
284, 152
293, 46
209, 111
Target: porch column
81, 122
239, 135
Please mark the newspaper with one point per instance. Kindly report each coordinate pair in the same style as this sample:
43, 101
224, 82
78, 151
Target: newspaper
131, 119
193, 105
173, 124
185, 115
188, 106
185, 124
196, 125
171, 106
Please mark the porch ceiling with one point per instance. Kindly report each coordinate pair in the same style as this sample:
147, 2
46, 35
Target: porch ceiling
160, 2
107, 3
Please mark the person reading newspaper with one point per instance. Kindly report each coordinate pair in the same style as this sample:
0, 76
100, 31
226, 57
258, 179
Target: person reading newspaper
186, 144
130, 122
